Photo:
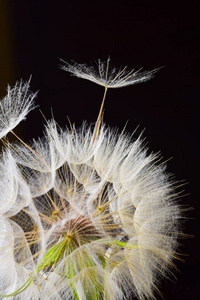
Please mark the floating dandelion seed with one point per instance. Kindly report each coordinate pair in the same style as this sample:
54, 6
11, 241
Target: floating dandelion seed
89, 214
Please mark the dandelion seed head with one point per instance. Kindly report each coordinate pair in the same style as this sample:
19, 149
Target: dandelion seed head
89, 212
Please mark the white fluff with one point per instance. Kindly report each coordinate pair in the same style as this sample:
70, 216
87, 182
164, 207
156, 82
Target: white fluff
86, 218
106, 76
15, 194
15, 106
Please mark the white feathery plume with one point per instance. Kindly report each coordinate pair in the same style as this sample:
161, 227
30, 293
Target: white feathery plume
15, 106
15, 194
106, 76
100, 220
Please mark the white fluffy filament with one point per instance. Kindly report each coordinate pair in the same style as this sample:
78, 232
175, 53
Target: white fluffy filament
84, 214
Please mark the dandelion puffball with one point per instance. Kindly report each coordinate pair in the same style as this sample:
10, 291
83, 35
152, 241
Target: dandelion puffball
85, 213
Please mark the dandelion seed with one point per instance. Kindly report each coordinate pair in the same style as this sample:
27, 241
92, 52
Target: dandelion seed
15, 106
107, 77
91, 214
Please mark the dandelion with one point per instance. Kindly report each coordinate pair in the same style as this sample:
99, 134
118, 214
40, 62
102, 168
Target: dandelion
89, 213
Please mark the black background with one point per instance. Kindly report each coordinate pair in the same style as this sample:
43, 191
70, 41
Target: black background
35, 34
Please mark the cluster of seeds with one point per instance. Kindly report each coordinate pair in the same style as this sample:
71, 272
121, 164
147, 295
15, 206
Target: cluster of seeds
84, 213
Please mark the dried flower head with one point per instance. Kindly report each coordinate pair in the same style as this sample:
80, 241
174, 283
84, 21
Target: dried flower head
89, 213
